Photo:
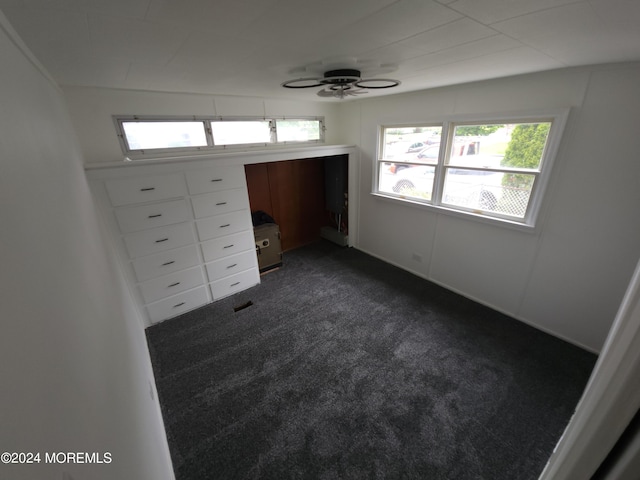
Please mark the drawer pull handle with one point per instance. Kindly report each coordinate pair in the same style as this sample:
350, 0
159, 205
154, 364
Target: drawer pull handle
225, 225
162, 240
155, 216
173, 285
221, 203
228, 246
216, 180
234, 265
234, 284
178, 305
148, 189
168, 263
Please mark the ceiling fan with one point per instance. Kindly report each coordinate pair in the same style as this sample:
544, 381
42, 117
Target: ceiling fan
341, 82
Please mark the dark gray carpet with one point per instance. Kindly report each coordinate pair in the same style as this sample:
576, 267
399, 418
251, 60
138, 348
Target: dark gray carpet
346, 367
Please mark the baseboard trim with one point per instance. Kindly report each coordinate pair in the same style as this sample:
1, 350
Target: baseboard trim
486, 304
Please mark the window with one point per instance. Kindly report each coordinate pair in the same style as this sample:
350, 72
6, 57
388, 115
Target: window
298, 130
160, 134
492, 169
153, 135
241, 132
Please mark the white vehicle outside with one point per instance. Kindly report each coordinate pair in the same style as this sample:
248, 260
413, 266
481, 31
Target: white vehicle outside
469, 182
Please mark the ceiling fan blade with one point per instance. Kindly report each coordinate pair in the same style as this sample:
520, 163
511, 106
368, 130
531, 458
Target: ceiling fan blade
327, 93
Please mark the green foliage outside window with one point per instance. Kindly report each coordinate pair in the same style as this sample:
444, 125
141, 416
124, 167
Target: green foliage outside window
524, 151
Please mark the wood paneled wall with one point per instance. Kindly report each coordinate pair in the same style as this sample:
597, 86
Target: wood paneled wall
292, 192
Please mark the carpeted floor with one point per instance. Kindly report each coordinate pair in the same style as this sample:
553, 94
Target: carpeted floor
346, 367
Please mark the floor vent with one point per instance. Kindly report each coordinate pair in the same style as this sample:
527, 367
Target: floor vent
243, 306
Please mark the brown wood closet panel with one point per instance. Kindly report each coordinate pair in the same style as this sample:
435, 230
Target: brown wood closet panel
296, 197
258, 186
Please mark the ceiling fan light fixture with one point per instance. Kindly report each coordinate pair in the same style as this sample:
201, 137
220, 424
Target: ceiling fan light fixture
343, 76
340, 87
302, 83
341, 82
377, 83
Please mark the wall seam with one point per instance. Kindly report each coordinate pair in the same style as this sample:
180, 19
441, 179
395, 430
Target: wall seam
13, 36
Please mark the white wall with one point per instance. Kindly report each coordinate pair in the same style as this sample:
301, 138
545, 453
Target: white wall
92, 110
568, 276
75, 374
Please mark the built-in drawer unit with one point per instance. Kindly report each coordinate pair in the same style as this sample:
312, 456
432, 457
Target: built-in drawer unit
214, 179
231, 265
156, 240
142, 217
126, 191
227, 245
234, 283
216, 203
220, 225
177, 304
182, 230
161, 287
164, 263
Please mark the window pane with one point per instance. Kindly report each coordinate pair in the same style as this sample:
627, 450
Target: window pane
409, 180
498, 145
489, 191
238, 132
298, 130
148, 135
405, 144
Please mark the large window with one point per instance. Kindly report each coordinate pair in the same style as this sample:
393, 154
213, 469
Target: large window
494, 169
140, 135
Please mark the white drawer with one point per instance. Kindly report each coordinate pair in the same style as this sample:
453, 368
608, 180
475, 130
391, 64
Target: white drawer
126, 191
235, 283
220, 225
231, 265
216, 203
142, 217
157, 240
177, 304
163, 263
228, 245
161, 287
216, 178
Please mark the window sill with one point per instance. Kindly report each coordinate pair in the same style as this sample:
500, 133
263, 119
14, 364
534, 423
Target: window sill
439, 209
243, 156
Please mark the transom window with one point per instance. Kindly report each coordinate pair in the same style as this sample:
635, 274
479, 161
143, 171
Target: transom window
141, 135
494, 169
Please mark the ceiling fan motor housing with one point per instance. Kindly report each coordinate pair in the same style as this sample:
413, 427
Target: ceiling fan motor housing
344, 76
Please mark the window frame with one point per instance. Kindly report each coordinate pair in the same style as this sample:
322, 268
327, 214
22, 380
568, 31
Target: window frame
211, 146
557, 118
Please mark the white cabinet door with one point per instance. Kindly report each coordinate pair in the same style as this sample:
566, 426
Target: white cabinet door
156, 240
127, 191
231, 265
163, 263
234, 283
177, 304
220, 202
161, 287
227, 245
215, 178
143, 217
220, 225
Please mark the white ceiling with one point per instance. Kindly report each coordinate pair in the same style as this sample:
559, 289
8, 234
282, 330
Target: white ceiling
249, 47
